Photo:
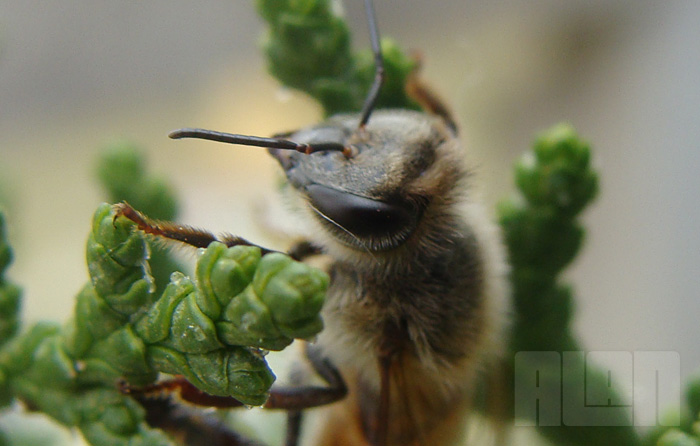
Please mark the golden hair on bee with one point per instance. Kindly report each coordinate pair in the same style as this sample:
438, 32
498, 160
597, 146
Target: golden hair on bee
417, 274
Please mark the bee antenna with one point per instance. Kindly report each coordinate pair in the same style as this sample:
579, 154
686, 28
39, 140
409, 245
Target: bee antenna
257, 141
379, 75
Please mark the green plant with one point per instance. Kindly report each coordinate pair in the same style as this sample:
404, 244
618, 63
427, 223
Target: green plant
324, 66
556, 182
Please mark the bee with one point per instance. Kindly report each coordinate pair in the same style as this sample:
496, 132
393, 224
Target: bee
417, 305
417, 296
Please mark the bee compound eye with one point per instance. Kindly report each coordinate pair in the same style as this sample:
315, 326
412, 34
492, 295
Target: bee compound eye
362, 216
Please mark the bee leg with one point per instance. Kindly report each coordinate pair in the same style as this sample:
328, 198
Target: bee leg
188, 426
306, 397
174, 231
234, 240
191, 428
294, 419
286, 398
184, 389
337, 389
303, 249
293, 399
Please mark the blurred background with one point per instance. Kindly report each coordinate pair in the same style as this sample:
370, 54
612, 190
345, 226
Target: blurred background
76, 75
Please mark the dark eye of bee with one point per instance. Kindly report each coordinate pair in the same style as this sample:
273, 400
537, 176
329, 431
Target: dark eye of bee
383, 224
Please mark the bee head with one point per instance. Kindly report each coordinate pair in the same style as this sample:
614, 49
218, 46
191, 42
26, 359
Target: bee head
373, 195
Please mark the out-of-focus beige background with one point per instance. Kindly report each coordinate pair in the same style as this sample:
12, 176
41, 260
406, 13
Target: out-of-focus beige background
77, 74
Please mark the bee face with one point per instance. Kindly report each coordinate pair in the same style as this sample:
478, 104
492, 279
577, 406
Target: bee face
374, 199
